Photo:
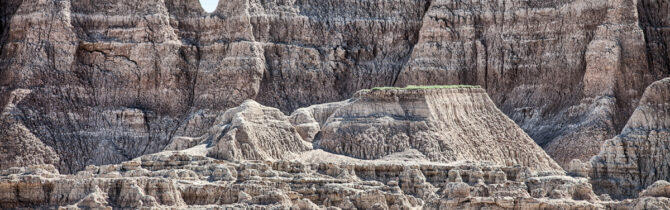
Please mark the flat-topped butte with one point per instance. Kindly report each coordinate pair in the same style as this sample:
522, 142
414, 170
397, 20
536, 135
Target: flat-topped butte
421, 87
415, 91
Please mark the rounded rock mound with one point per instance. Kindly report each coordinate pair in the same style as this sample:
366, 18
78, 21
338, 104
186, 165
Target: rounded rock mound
254, 132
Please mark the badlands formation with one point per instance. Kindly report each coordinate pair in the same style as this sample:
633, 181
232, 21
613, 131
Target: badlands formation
387, 148
271, 104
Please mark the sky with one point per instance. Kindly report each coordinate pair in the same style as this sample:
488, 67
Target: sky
209, 5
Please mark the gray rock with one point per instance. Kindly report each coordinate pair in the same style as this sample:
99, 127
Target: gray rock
639, 156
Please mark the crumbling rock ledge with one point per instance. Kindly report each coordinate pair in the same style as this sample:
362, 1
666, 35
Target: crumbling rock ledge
187, 179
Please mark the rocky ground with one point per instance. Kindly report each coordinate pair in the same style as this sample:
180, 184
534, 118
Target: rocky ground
188, 179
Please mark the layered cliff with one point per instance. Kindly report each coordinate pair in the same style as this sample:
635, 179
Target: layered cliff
125, 78
568, 72
639, 156
443, 123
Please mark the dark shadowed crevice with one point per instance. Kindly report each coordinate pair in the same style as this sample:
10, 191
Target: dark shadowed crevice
416, 35
7, 10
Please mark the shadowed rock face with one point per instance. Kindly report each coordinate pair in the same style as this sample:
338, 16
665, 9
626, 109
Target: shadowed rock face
113, 80
20, 147
639, 156
444, 124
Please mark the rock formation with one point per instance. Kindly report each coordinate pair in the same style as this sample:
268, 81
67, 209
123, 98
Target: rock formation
445, 124
254, 132
255, 157
18, 146
639, 156
570, 73
308, 120
557, 68
128, 103
188, 179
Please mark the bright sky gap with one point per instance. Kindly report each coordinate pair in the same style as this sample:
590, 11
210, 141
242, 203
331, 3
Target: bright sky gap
209, 5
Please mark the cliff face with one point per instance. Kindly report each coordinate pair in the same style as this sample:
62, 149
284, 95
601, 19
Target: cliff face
639, 156
123, 78
568, 72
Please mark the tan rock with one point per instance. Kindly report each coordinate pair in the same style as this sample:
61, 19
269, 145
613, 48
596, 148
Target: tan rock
119, 79
254, 132
308, 121
300, 184
444, 124
660, 188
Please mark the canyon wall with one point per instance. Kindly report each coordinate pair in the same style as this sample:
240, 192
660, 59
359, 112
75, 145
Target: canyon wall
113, 80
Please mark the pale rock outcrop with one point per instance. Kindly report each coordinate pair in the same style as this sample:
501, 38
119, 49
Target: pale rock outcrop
308, 120
254, 132
660, 188
639, 156
188, 180
445, 124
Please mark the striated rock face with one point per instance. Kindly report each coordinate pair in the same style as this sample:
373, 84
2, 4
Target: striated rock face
173, 68
117, 79
443, 124
18, 146
254, 132
568, 72
639, 156
102, 74
323, 51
